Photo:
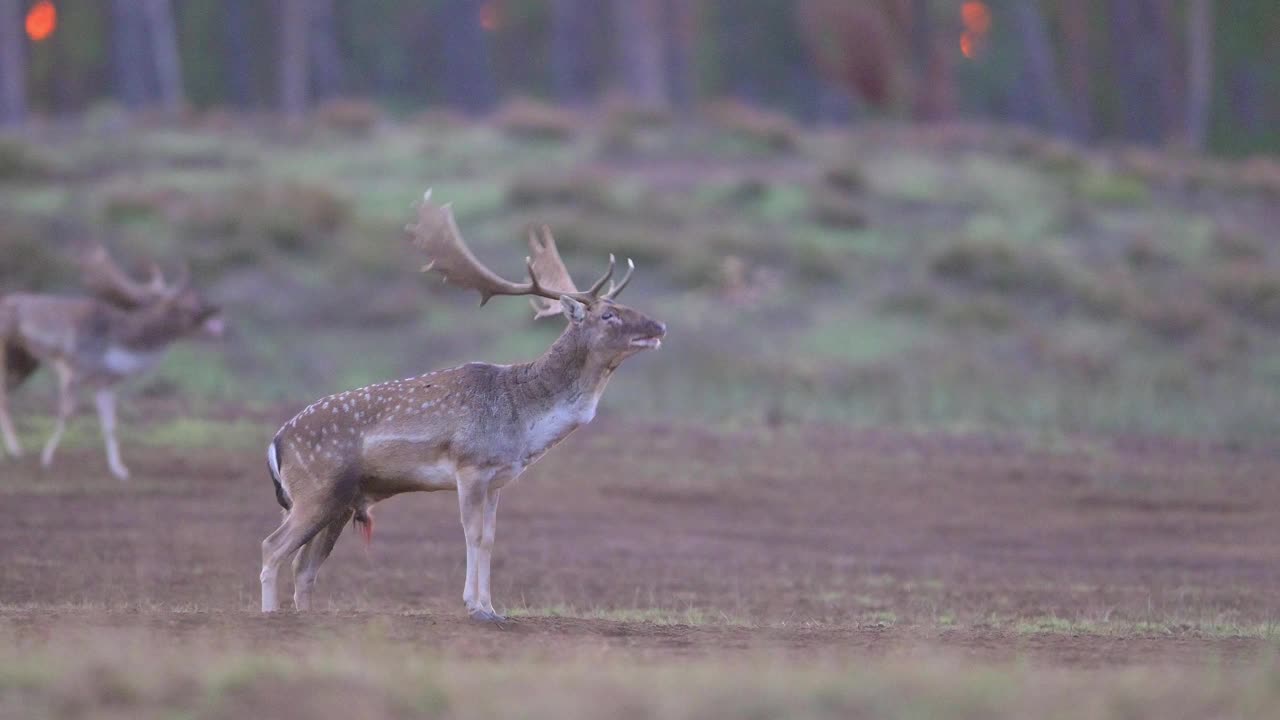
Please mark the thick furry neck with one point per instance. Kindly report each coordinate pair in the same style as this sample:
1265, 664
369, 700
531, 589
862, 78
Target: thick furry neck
150, 327
565, 373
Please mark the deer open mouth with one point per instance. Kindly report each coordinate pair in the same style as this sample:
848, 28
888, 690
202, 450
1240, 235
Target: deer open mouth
651, 343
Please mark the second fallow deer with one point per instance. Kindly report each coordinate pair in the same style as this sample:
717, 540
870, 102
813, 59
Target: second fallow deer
471, 429
95, 342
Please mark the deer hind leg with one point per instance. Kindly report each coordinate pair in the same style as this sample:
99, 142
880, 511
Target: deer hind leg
6, 423
298, 528
66, 408
105, 399
306, 565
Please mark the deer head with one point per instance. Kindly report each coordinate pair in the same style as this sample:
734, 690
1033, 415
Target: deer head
607, 327
181, 302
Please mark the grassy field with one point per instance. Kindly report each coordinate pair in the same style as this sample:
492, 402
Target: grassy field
961, 278
150, 677
949, 422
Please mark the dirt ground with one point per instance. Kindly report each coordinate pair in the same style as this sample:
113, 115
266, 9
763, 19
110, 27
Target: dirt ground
813, 541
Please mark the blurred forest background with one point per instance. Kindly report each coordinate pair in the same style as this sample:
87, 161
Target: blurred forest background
1034, 216
1193, 72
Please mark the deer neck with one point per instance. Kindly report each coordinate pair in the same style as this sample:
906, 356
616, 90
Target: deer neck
568, 373
149, 328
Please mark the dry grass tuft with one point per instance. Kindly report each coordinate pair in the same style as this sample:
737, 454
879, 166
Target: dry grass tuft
576, 189
836, 208
765, 129
1250, 290
534, 120
353, 116
1001, 265
20, 162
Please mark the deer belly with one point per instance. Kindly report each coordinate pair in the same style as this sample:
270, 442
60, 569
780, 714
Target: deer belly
122, 362
394, 464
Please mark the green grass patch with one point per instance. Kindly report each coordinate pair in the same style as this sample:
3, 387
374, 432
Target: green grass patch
201, 433
1112, 189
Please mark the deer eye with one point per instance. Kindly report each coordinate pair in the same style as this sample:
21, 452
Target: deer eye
608, 315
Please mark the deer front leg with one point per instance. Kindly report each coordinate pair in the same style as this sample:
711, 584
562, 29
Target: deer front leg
6, 423
471, 504
66, 407
105, 399
487, 535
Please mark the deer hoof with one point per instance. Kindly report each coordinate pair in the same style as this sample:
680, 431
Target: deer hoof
487, 617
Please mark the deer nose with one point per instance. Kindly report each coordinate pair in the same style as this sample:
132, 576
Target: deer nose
662, 328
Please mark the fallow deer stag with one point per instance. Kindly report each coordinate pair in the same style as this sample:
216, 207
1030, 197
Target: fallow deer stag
471, 429
97, 342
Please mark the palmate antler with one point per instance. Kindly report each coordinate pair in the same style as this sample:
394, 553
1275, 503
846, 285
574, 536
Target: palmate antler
437, 234
106, 280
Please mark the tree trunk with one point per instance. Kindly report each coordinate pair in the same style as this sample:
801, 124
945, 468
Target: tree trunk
294, 24
642, 70
679, 20
1199, 71
934, 86
326, 56
164, 51
568, 50
1139, 44
1076, 51
468, 73
13, 66
133, 69
237, 52
1041, 74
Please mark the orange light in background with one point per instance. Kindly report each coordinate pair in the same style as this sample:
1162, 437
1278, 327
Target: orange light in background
976, 17
42, 20
490, 18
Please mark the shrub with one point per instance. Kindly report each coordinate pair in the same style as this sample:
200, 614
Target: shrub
1058, 157
834, 208
1145, 252
1002, 266
127, 203
28, 259
534, 120
623, 112
1175, 316
914, 299
1259, 174
1250, 290
239, 226
1108, 295
764, 129
1236, 243
353, 116
597, 235
985, 311
846, 176
630, 128
20, 162
578, 189
290, 213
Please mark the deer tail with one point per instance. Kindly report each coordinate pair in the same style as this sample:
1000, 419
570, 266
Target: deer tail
273, 467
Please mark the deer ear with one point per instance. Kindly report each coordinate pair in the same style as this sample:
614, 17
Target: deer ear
573, 309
